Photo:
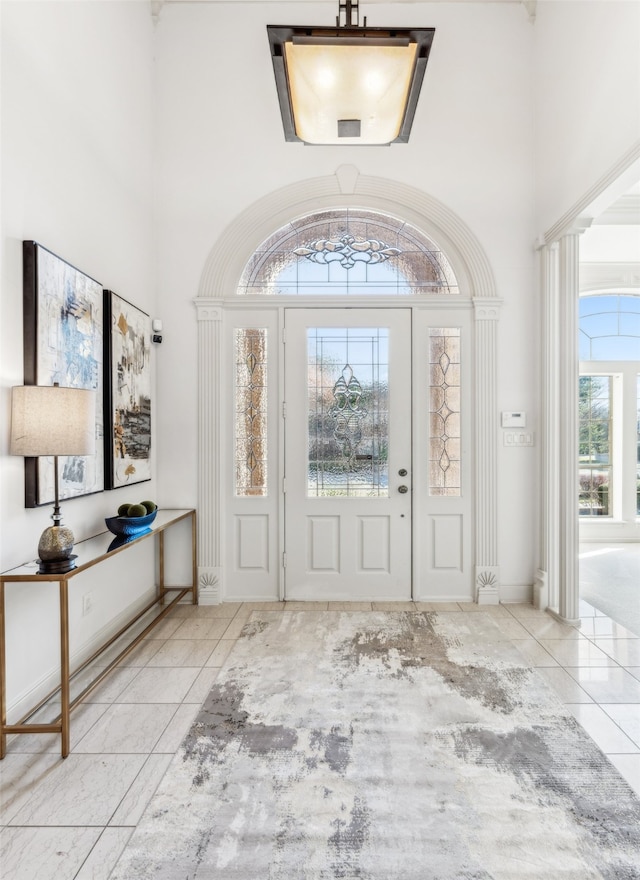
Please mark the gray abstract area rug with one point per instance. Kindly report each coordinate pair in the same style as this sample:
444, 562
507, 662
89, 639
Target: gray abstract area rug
384, 746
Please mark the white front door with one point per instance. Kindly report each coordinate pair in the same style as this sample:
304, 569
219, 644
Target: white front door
348, 499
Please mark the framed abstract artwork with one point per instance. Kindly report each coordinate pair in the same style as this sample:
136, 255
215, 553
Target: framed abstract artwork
127, 393
63, 343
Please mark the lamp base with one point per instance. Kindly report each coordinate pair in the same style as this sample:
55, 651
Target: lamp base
57, 566
55, 546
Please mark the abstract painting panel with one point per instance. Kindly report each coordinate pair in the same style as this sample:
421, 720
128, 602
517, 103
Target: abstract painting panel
63, 343
127, 393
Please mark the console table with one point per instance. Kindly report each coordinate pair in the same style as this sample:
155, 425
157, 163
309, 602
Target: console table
92, 551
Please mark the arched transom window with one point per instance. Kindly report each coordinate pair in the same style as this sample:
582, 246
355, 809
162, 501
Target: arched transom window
348, 251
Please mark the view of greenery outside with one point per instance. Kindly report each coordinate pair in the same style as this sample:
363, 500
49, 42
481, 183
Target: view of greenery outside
595, 445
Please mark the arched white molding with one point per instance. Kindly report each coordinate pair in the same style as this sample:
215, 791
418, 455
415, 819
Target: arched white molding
346, 188
221, 273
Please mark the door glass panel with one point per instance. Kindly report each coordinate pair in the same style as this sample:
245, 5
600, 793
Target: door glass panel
444, 411
251, 412
348, 390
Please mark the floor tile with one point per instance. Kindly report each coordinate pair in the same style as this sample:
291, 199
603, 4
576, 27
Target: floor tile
534, 653
22, 775
83, 717
566, 687
29, 852
159, 685
166, 628
626, 652
349, 606
306, 606
82, 790
113, 685
604, 628
520, 609
183, 652
220, 652
629, 767
199, 690
234, 629
263, 606
437, 606
493, 610
576, 652
606, 733
138, 656
103, 857
607, 684
128, 728
512, 628
177, 729
627, 717
226, 610
548, 628
135, 800
393, 606
208, 628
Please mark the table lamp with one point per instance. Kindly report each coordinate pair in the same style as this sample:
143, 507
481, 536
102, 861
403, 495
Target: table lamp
52, 421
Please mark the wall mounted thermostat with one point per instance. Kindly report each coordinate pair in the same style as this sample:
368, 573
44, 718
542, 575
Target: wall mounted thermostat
514, 420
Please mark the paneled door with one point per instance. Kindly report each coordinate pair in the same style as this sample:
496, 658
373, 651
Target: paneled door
347, 454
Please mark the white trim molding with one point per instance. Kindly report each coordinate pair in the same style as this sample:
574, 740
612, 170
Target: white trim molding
218, 285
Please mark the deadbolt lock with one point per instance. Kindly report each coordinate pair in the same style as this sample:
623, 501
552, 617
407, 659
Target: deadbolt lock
402, 472
403, 490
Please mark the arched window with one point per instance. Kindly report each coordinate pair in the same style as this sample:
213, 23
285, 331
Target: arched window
609, 406
348, 251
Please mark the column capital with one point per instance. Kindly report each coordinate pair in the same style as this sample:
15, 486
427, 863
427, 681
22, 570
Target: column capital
486, 308
208, 309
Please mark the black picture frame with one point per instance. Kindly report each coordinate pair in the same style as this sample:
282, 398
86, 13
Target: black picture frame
127, 392
63, 343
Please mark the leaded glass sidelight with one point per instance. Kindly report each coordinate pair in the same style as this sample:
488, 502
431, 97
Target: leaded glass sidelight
348, 393
348, 252
251, 412
444, 411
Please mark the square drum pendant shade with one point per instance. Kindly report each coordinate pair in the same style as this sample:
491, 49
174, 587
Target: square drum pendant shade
348, 84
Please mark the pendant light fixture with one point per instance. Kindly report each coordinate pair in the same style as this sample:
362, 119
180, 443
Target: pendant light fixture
348, 84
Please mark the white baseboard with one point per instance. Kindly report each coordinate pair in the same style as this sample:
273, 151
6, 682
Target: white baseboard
516, 593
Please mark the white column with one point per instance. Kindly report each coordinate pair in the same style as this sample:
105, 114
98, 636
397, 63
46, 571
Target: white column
546, 586
209, 348
568, 593
487, 572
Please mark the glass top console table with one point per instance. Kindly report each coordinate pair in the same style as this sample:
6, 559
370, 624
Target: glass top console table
90, 552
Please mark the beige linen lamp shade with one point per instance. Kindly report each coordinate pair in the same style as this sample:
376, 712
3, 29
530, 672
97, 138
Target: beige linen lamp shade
49, 420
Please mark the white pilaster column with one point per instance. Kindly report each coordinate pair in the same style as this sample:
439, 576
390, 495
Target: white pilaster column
487, 573
209, 527
546, 586
568, 372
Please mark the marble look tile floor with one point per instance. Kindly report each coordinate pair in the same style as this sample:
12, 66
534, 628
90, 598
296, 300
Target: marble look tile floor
71, 819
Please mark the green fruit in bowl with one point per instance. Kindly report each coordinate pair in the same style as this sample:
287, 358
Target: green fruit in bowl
149, 506
137, 510
123, 510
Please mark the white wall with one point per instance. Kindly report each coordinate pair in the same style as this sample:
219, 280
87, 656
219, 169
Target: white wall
587, 82
221, 148
77, 117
